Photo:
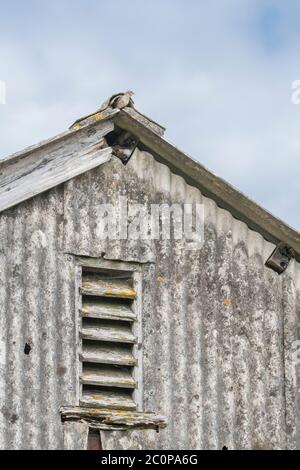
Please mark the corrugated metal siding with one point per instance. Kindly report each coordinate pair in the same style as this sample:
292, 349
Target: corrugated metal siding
37, 307
218, 326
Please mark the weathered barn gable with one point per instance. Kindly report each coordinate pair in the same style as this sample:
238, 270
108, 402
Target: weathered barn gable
218, 326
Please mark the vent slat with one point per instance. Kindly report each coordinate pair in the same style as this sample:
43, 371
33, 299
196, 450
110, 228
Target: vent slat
109, 399
97, 286
108, 377
107, 311
108, 355
110, 332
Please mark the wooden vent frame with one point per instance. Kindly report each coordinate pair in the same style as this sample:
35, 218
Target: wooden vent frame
107, 412
110, 337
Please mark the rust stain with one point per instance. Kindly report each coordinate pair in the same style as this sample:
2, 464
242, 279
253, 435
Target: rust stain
227, 302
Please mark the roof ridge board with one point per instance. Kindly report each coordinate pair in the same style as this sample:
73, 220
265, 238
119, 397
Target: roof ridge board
47, 167
12, 158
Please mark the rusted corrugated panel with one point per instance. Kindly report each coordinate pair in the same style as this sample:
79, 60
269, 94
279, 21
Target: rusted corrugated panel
218, 326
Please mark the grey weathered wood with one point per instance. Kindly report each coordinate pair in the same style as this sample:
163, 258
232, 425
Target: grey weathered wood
108, 311
108, 331
107, 355
92, 118
110, 265
226, 196
61, 138
109, 377
112, 399
24, 178
95, 285
113, 419
138, 351
145, 121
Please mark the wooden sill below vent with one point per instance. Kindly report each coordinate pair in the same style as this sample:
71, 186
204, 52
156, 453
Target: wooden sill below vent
113, 420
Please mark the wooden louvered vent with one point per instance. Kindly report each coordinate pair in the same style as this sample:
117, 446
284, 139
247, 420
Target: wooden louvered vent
107, 340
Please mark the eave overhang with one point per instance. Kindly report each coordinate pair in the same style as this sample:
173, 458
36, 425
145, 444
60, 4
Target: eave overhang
84, 138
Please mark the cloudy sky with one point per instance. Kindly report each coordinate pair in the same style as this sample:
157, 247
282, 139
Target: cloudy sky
216, 73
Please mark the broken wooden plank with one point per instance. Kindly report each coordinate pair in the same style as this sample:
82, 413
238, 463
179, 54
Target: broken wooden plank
112, 399
95, 285
47, 167
101, 354
93, 117
107, 377
113, 419
107, 311
108, 331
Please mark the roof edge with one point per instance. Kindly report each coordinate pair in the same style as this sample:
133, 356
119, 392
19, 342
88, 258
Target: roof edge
13, 158
225, 195
57, 160
150, 135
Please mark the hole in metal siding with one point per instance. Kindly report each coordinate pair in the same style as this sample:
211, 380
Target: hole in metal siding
27, 349
94, 440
